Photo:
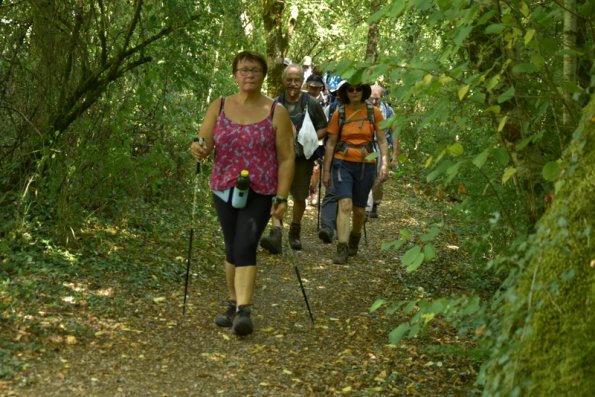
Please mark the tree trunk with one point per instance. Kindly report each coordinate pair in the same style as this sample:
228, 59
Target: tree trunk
373, 33
276, 42
570, 62
547, 342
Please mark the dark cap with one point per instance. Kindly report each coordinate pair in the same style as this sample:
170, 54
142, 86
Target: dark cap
315, 80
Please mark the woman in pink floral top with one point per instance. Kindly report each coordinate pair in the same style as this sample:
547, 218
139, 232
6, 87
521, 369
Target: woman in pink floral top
248, 132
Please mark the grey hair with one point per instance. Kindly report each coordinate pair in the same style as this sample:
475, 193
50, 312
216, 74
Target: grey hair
296, 66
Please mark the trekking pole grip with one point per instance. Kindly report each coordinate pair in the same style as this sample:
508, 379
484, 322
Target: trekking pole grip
201, 142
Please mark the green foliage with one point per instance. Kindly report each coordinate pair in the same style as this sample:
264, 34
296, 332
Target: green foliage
417, 253
542, 341
462, 312
479, 97
111, 115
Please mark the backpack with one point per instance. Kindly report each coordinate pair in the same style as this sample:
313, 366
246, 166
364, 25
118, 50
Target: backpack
343, 146
304, 103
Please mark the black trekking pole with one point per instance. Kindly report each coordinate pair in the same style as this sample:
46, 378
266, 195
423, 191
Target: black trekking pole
297, 272
189, 257
365, 231
319, 196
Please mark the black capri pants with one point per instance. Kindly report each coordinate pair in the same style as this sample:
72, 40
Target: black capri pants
242, 228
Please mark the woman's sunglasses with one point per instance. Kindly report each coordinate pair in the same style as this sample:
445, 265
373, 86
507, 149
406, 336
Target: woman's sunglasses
354, 89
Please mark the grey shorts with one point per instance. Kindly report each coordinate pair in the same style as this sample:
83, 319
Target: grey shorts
300, 188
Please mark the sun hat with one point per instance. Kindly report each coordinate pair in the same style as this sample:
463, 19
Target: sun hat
341, 84
342, 90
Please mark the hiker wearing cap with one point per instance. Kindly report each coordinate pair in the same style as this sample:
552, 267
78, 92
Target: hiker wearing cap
297, 103
315, 87
353, 174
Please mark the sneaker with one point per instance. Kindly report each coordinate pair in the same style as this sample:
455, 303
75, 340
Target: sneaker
226, 319
242, 324
325, 235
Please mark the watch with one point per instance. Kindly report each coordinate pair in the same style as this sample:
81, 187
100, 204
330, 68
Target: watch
279, 199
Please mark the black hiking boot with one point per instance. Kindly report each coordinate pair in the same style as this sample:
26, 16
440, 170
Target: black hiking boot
326, 235
272, 242
354, 239
226, 319
294, 236
342, 254
374, 212
242, 324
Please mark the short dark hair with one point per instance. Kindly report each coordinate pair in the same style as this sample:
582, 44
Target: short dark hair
250, 56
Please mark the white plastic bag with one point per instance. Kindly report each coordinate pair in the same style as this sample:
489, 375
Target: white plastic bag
307, 136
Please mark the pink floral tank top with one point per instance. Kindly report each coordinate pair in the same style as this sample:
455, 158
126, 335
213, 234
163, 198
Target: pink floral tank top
245, 147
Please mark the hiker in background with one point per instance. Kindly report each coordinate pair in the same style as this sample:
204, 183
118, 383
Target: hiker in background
307, 67
296, 102
331, 81
315, 87
249, 131
375, 198
328, 208
352, 174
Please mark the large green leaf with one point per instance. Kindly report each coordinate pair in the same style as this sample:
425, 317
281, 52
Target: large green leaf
508, 173
413, 258
551, 171
495, 28
397, 334
455, 150
506, 95
481, 158
524, 68
430, 235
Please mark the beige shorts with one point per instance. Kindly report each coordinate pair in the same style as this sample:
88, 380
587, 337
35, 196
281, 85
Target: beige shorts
300, 188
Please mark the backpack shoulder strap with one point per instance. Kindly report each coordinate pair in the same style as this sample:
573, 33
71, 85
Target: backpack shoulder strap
341, 110
221, 104
304, 101
371, 116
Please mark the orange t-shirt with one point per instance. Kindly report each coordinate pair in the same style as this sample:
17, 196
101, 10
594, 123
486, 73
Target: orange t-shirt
359, 133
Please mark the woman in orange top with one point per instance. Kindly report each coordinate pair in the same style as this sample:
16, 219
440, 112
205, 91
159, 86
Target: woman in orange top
353, 170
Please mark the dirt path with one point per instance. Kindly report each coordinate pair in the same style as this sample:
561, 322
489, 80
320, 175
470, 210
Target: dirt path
149, 351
